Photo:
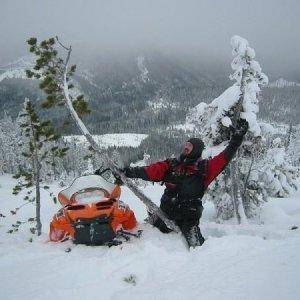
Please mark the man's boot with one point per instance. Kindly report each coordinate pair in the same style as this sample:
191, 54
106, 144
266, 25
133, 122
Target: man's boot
193, 236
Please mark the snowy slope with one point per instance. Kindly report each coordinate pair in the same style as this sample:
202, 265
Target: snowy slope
111, 139
255, 261
13, 73
144, 72
17, 70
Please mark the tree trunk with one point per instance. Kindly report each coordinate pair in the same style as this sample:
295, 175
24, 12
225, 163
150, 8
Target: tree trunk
235, 187
245, 184
289, 136
37, 197
36, 167
235, 194
54, 167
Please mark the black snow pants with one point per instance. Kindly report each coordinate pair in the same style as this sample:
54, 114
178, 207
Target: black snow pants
185, 212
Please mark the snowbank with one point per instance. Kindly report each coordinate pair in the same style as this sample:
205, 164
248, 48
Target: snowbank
260, 260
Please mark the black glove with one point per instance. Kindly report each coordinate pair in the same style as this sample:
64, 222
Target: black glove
129, 172
236, 139
136, 172
241, 127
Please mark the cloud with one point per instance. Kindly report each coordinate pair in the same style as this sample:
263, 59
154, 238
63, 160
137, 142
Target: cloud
190, 27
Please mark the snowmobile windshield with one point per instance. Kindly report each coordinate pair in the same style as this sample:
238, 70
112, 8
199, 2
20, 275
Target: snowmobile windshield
87, 189
90, 195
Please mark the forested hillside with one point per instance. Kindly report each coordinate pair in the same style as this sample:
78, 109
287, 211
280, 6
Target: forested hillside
141, 93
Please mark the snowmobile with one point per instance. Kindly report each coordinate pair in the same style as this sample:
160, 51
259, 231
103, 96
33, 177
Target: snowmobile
92, 212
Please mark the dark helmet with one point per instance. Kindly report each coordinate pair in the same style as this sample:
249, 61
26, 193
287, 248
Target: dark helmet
198, 147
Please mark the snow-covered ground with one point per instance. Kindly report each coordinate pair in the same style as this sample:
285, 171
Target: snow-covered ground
260, 260
111, 139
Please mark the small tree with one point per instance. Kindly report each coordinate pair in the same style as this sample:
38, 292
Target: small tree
278, 175
293, 149
37, 135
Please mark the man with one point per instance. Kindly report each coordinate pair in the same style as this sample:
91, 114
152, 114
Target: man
186, 180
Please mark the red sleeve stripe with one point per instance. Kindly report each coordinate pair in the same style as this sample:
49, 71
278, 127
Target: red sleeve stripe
157, 171
214, 167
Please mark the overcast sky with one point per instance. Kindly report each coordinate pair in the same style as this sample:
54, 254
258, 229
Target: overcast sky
199, 27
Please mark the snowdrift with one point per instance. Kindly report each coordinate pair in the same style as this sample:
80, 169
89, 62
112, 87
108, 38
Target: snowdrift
260, 260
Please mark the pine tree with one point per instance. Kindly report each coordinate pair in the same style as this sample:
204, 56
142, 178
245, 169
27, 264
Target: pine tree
51, 70
37, 136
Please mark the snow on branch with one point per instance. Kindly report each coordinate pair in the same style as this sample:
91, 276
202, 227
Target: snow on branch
249, 77
212, 121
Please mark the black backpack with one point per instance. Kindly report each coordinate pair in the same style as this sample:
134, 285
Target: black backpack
94, 231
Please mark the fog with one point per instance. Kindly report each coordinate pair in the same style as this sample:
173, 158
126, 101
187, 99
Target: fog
196, 29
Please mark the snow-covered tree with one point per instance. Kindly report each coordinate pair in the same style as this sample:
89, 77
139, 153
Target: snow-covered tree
10, 145
214, 122
277, 173
293, 148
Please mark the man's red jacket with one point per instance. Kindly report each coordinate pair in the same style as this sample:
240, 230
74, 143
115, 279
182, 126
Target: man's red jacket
188, 180
213, 167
